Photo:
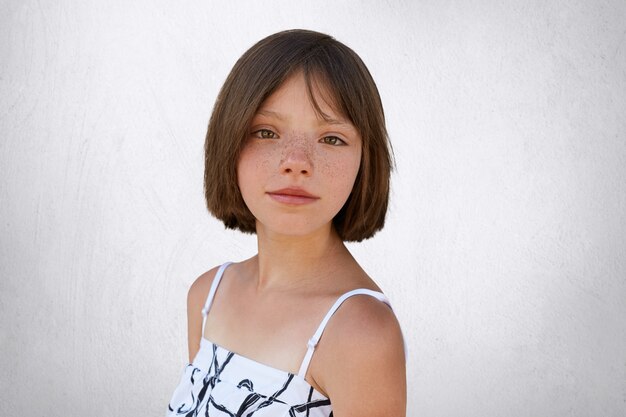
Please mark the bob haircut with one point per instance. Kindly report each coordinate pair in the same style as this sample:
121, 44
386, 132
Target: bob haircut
255, 76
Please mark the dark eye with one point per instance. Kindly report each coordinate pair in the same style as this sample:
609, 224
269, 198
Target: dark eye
332, 140
265, 134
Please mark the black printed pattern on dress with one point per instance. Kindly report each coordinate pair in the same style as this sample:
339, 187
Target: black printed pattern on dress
235, 386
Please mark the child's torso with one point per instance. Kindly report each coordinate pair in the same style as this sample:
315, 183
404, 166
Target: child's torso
267, 374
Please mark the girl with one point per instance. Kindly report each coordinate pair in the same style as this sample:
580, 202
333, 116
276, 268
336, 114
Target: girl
296, 152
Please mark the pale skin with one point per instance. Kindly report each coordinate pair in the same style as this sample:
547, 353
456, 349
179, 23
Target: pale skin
277, 298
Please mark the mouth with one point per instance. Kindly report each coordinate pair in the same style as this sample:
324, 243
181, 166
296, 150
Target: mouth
293, 196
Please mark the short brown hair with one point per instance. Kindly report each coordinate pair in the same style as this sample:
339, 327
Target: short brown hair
255, 76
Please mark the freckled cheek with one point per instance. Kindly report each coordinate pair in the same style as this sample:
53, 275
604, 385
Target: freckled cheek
246, 165
330, 169
340, 174
255, 160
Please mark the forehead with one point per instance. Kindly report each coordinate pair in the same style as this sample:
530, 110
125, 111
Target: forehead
315, 89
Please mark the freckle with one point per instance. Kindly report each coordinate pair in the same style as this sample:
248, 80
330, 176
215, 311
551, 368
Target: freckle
328, 168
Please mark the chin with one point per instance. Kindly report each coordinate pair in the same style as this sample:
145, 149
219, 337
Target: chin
294, 229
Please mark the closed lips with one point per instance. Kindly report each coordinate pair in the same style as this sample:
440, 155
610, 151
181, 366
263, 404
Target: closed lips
294, 192
292, 196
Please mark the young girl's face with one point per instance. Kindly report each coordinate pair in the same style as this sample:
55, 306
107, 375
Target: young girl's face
298, 168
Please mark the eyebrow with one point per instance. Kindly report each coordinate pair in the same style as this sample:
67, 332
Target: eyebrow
270, 113
325, 118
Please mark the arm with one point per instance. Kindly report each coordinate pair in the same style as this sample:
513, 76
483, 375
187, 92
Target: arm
196, 297
361, 363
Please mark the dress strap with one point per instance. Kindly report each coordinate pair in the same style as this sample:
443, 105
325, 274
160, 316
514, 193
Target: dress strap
214, 285
318, 333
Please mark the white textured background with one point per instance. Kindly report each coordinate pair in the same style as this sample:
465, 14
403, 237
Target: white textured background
505, 248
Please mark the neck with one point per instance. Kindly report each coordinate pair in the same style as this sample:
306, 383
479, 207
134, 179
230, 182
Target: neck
286, 262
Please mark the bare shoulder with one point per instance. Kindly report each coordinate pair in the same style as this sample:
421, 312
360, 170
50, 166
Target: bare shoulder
361, 363
196, 297
367, 327
199, 289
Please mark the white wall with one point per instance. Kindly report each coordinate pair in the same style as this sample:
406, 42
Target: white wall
505, 248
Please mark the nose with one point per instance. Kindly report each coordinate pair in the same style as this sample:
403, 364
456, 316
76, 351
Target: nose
296, 159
